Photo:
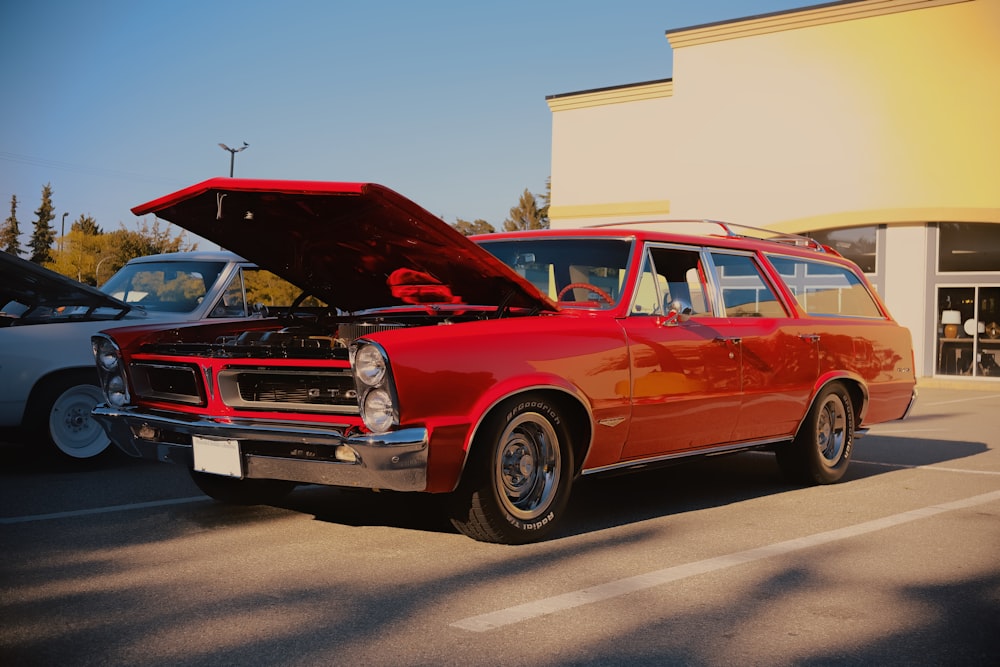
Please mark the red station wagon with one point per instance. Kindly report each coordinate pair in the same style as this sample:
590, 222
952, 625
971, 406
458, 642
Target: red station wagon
499, 369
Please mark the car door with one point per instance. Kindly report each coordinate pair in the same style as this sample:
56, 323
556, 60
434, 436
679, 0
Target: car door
684, 369
780, 359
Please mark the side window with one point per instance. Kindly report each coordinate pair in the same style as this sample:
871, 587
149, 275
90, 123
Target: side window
745, 292
649, 295
232, 303
671, 275
821, 288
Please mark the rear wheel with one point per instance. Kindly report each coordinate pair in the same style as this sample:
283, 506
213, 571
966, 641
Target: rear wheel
822, 448
517, 482
237, 491
61, 416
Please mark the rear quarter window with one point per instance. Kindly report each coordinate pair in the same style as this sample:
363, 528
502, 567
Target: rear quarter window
821, 288
745, 291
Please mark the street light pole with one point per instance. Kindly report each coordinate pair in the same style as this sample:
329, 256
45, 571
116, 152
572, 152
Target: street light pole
232, 155
97, 272
63, 235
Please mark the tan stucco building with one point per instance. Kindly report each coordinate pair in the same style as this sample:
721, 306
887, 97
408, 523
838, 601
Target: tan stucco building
871, 124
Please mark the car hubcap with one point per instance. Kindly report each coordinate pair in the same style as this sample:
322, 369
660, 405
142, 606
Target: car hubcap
831, 431
527, 466
72, 429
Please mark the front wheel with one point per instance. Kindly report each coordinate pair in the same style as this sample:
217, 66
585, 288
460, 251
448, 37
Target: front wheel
62, 416
822, 448
517, 482
237, 491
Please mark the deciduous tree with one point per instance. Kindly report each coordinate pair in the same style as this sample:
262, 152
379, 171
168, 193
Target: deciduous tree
91, 256
477, 226
125, 244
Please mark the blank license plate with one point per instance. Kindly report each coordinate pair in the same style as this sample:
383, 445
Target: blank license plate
219, 457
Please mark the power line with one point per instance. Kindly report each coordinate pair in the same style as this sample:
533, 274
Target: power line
83, 169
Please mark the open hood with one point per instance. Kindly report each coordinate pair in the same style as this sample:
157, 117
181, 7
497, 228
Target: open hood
354, 245
35, 294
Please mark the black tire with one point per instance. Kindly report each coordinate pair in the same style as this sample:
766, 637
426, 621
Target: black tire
822, 448
235, 491
517, 482
59, 415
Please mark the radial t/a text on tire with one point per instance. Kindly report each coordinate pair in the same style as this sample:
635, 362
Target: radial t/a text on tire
518, 478
821, 451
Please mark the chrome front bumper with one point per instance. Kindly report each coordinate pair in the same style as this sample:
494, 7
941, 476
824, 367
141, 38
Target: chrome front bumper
293, 451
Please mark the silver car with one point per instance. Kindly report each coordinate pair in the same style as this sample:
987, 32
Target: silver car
48, 381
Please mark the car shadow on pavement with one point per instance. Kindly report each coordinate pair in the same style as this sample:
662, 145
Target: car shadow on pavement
608, 501
29, 459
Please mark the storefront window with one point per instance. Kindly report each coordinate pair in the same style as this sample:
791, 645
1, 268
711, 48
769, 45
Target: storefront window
968, 246
857, 244
969, 331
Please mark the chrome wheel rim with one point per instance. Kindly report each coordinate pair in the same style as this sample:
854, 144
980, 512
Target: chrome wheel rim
831, 430
528, 466
72, 428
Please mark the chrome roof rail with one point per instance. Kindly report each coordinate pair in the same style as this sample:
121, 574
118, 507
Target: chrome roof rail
731, 230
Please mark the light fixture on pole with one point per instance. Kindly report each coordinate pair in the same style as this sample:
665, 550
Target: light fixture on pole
63, 235
232, 155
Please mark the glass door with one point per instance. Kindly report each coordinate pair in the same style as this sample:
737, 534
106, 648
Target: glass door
968, 331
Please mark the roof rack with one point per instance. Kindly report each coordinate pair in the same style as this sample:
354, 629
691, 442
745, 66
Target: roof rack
730, 230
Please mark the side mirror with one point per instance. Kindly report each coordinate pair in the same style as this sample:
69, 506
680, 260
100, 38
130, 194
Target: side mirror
677, 312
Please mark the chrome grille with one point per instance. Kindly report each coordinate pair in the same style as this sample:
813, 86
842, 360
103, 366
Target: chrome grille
303, 390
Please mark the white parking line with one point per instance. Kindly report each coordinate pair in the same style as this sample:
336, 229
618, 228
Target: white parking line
612, 589
101, 510
968, 399
932, 467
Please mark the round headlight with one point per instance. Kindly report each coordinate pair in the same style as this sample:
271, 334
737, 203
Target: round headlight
116, 391
369, 365
106, 354
378, 411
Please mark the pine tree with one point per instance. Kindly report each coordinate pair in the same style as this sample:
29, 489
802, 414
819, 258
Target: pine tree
86, 225
546, 202
44, 235
10, 232
527, 214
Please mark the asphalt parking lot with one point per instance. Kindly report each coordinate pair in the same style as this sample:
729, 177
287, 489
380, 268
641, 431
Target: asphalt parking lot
718, 562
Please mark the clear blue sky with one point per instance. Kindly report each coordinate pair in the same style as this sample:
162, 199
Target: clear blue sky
116, 102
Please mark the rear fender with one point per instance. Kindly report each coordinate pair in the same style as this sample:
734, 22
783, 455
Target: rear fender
856, 387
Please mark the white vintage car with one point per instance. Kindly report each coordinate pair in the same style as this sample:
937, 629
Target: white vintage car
48, 380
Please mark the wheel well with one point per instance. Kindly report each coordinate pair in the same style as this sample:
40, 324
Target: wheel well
857, 394
60, 376
574, 413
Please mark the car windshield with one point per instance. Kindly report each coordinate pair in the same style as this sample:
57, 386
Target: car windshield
167, 286
587, 272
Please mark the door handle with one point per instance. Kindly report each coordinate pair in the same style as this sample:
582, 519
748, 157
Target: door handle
810, 338
735, 340
727, 341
